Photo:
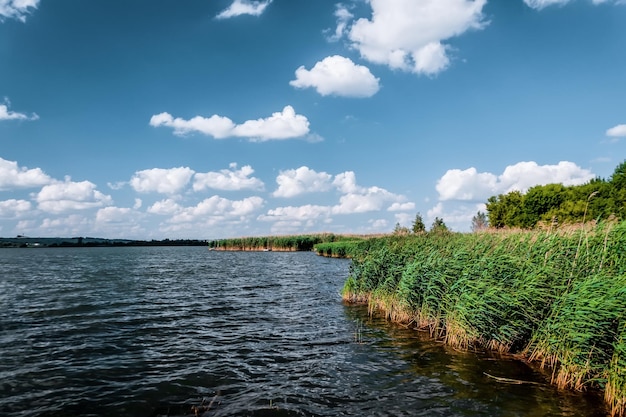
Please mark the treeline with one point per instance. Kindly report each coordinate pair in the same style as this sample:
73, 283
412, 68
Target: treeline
556, 204
87, 242
555, 298
277, 243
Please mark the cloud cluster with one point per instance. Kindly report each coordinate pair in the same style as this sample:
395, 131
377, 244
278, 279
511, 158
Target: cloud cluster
14, 208
294, 182
354, 199
232, 179
12, 176
336, 75
17, 9
244, 7
280, 125
69, 196
471, 185
165, 181
409, 35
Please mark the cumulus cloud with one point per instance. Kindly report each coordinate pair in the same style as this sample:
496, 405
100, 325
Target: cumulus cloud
69, 195
243, 7
72, 225
217, 207
17, 9
13, 176
14, 208
401, 207
294, 182
164, 181
354, 198
618, 131
366, 199
5, 113
228, 179
296, 213
280, 125
114, 215
408, 34
471, 185
336, 75
164, 207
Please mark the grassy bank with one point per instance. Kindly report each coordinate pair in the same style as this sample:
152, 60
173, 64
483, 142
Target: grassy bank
279, 243
555, 298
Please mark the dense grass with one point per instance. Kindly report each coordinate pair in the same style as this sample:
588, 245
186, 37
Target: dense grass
556, 298
278, 243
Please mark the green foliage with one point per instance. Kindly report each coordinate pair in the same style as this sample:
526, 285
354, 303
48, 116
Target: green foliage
418, 224
558, 204
438, 226
286, 243
559, 298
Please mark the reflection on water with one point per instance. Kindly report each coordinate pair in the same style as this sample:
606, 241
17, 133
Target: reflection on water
154, 331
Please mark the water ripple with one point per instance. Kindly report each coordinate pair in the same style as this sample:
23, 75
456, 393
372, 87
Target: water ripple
154, 331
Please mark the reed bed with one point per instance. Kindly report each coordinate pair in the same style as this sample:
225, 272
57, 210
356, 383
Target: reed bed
557, 298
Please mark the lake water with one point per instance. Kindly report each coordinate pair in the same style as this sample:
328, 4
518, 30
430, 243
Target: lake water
155, 331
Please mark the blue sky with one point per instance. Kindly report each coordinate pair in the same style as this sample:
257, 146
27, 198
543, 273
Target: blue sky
220, 118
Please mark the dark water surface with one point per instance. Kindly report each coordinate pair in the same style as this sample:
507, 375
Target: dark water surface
154, 331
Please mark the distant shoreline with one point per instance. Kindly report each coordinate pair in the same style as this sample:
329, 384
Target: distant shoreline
90, 242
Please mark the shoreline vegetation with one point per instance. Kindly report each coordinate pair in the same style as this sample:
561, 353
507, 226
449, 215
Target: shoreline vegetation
556, 298
287, 243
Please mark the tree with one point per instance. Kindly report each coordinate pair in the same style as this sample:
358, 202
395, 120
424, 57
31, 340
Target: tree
400, 230
438, 226
479, 222
418, 224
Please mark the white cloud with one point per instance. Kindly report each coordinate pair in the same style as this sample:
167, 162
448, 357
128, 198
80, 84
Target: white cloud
164, 207
114, 215
401, 207
540, 4
346, 182
337, 75
12, 176
14, 208
343, 16
280, 125
408, 34
164, 181
618, 131
370, 199
6, 114
243, 7
294, 182
470, 185
379, 225
405, 219
70, 195
219, 207
291, 213
228, 179
17, 9
72, 225
119, 222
